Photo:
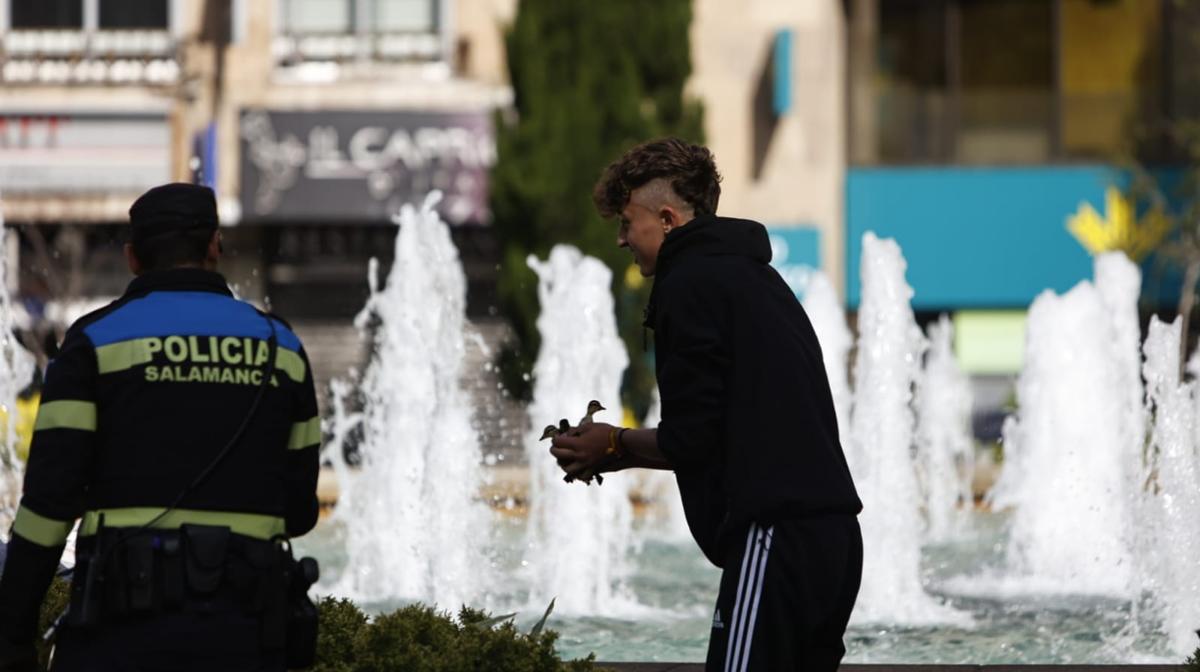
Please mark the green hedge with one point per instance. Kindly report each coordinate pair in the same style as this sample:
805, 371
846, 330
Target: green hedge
421, 639
54, 605
416, 638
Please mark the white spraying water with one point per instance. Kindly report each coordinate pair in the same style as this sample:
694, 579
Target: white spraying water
881, 439
670, 523
829, 321
1119, 282
16, 372
415, 528
1068, 451
1169, 520
945, 447
579, 535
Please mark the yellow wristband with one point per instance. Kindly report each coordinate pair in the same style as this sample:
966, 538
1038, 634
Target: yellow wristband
614, 447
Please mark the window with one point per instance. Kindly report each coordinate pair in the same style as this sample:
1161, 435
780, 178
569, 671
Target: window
359, 16
133, 14
357, 32
69, 14
402, 16
910, 87
1007, 81
1110, 69
365, 16
65, 14
317, 16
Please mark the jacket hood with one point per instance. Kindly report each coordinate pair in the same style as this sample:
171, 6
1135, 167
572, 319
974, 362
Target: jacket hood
708, 236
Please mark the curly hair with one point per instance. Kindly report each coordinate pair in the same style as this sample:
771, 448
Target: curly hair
689, 168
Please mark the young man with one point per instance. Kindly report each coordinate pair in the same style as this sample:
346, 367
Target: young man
748, 423
187, 452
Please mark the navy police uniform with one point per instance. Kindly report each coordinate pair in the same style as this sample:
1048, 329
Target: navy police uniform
141, 398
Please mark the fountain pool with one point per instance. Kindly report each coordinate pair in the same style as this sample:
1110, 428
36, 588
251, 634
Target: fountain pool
676, 587
946, 582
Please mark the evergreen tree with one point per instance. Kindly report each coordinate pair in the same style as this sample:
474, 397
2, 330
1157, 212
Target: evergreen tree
590, 80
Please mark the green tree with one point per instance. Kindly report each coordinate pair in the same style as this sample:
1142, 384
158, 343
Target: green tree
590, 80
1165, 157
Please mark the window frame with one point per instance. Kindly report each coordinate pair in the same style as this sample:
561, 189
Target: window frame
860, 155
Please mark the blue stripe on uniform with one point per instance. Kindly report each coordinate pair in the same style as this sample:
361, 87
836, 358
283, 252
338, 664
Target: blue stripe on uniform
185, 314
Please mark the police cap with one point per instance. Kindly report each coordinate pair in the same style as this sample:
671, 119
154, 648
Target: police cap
172, 208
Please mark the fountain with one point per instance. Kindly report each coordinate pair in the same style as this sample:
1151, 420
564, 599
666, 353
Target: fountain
829, 321
1170, 520
414, 526
1057, 572
1070, 452
945, 449
579, 535
880, 443
16, 371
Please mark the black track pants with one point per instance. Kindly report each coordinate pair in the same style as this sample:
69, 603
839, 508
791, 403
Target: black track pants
786, 596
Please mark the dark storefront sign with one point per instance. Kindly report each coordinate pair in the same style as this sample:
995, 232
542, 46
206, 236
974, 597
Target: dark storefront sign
356, 166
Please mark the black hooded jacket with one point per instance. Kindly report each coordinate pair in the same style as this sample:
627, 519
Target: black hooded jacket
748, 422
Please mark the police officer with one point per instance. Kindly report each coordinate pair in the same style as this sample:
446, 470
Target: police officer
180, 426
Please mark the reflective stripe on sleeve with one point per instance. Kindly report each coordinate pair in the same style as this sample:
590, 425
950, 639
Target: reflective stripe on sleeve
41, 530
291, 363
66, 414
305, 434
254, 525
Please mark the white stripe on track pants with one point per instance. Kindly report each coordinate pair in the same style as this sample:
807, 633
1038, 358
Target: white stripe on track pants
786, 595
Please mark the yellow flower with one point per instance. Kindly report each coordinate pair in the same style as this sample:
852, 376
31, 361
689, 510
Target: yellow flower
1118, 229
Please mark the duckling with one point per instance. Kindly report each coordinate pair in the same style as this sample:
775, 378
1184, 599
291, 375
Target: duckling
593, 408
550, 432
563, 427
586, 478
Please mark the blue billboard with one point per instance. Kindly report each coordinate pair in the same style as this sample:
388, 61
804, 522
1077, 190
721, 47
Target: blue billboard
977, 237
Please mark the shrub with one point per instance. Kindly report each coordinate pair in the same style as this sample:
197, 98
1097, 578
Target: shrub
422, 639
415, 638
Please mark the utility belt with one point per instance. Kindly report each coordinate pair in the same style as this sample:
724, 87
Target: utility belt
127, 572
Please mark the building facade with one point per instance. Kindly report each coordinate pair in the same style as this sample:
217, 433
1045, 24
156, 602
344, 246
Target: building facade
980, 132
771, 77
311, 119
971, 131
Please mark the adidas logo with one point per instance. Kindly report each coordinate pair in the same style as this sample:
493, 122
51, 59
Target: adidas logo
717, 624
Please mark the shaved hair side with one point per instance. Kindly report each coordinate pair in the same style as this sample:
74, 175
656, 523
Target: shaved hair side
657, 193
687, 170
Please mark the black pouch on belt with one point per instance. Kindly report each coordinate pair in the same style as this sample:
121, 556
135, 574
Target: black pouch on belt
302, 614
116, 595
205, 550
270, 597
86, 587
139, 572
172, 571
264, 585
